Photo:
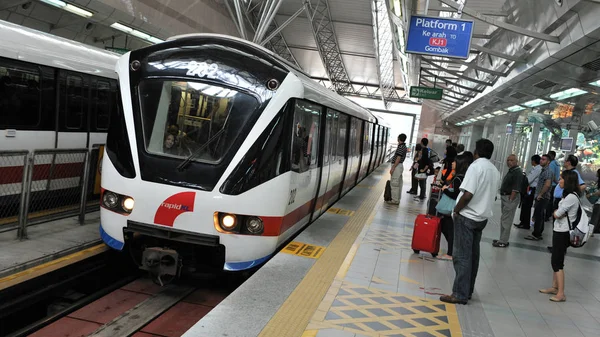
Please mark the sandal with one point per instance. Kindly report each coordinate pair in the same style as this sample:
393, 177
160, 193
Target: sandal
556, 299
550, 291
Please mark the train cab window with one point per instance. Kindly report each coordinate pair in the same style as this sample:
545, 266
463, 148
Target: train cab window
305, 144
102, 97
20, 96
74, 103
181, 118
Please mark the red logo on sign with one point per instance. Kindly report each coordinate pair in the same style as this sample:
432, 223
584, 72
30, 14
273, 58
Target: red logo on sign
176, 204
437, 42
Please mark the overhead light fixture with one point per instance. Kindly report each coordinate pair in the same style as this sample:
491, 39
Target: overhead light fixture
535, 103
480, 118
488, 116
596, 83
515, 108
69, 8
573, 92
499, 113
136, 33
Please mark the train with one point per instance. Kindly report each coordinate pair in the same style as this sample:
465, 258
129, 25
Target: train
221, 151
55, 93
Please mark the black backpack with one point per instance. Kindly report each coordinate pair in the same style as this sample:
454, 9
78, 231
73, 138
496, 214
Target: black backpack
524, 185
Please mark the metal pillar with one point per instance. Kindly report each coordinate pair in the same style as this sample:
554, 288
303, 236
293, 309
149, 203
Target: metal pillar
535, 137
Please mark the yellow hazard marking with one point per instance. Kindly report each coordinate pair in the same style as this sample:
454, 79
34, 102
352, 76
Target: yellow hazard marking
303, 249
340, 211
295, 313
375, 312
310, 333
44, 268
34, 215
408, 280
376, 279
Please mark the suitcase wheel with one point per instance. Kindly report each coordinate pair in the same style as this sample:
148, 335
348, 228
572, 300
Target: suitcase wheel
416, 251
434, 254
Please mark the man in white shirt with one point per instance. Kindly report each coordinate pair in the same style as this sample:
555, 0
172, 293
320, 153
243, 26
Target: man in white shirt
527, 200
471, 213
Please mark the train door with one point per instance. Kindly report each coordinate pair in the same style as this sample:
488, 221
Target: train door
73, 110
350, 175
358, 150
305, 167
328, 159
103, 96
342, 155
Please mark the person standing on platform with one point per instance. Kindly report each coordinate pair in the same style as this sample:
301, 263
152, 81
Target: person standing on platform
471, 214
542, 198
397, 170
527, 200
460, 149
570, 165
510, 192
555, 169
415, 168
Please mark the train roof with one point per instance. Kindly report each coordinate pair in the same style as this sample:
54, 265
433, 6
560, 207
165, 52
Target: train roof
30, 45
326, 96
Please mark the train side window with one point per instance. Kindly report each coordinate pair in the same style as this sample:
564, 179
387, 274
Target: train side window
102, 104
20, 96
74, 103
342, 131
305, 144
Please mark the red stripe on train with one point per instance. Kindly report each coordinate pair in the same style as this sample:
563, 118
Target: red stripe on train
14, 174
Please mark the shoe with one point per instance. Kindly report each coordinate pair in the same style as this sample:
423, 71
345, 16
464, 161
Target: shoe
494, 241
391, 202
550, 291
500, 244
556, 299
533, 238
451, 299
411, 192
521, 226
549, 249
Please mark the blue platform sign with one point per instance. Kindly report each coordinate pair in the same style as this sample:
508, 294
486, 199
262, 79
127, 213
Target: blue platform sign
439, 36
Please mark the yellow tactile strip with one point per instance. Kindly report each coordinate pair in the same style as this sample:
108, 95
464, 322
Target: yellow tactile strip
295, 313
375, 312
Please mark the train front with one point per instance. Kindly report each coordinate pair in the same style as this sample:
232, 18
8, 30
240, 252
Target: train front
192, 112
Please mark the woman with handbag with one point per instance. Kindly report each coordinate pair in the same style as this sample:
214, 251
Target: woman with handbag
448, 200
561, 239
424, 164
414, 168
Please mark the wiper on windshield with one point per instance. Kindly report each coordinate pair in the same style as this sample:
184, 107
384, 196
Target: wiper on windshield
187, 160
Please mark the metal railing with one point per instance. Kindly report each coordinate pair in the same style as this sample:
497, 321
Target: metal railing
43, 185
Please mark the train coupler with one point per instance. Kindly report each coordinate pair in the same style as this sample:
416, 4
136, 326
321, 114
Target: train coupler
161, 262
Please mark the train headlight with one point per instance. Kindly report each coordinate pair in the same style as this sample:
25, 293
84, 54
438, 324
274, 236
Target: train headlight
228, 222
110, 199
128, 204
254, 225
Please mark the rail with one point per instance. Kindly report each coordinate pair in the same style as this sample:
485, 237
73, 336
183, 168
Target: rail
47, 184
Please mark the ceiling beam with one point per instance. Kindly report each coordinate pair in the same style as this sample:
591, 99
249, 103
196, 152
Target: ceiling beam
349, 53
455, 73
473, 66
500, 24
326, 40
383, 40
450, 9
334, 21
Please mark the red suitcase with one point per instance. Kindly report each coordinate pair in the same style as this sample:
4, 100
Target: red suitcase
426, 235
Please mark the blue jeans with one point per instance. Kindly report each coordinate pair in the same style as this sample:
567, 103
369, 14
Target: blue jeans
467, 236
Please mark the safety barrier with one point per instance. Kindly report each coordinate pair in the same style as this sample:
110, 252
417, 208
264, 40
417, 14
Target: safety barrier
43, 185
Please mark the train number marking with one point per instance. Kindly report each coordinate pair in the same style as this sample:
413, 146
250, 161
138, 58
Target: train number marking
202, 69
292, 198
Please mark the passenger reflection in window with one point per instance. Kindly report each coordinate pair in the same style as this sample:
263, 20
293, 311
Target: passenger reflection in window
169, 146
300, 147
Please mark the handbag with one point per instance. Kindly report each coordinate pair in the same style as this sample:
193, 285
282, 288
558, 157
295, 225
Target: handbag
421, 176
581, 229
445, 205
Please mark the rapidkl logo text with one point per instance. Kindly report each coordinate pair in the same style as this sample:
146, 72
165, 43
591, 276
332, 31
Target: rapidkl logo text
171, 208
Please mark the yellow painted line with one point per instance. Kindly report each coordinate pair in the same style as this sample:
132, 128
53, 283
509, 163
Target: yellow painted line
310, 333
28, 274
303, 249
409, 280
340, 211
295, 313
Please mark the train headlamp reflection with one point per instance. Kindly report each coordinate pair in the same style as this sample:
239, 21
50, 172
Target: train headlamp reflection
128, 204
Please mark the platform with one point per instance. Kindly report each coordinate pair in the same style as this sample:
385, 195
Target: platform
359, 277
49, 243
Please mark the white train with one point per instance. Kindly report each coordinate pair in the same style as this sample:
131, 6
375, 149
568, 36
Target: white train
223, 151
54, 93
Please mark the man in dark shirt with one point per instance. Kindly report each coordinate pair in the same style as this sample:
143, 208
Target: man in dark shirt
511, 197
397, 169
542, 197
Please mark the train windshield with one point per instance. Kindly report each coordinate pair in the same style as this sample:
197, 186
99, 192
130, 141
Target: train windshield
192, 120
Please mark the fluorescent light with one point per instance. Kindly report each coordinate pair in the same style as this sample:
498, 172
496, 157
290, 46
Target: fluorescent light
69, 8
121, 27
136, 33
55, 3
141, 35
211, 91
567, 94
197, 86
536, 102
596, 83
155, 40
480, 118
488, 116
499, 113
515, 108
78, 11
